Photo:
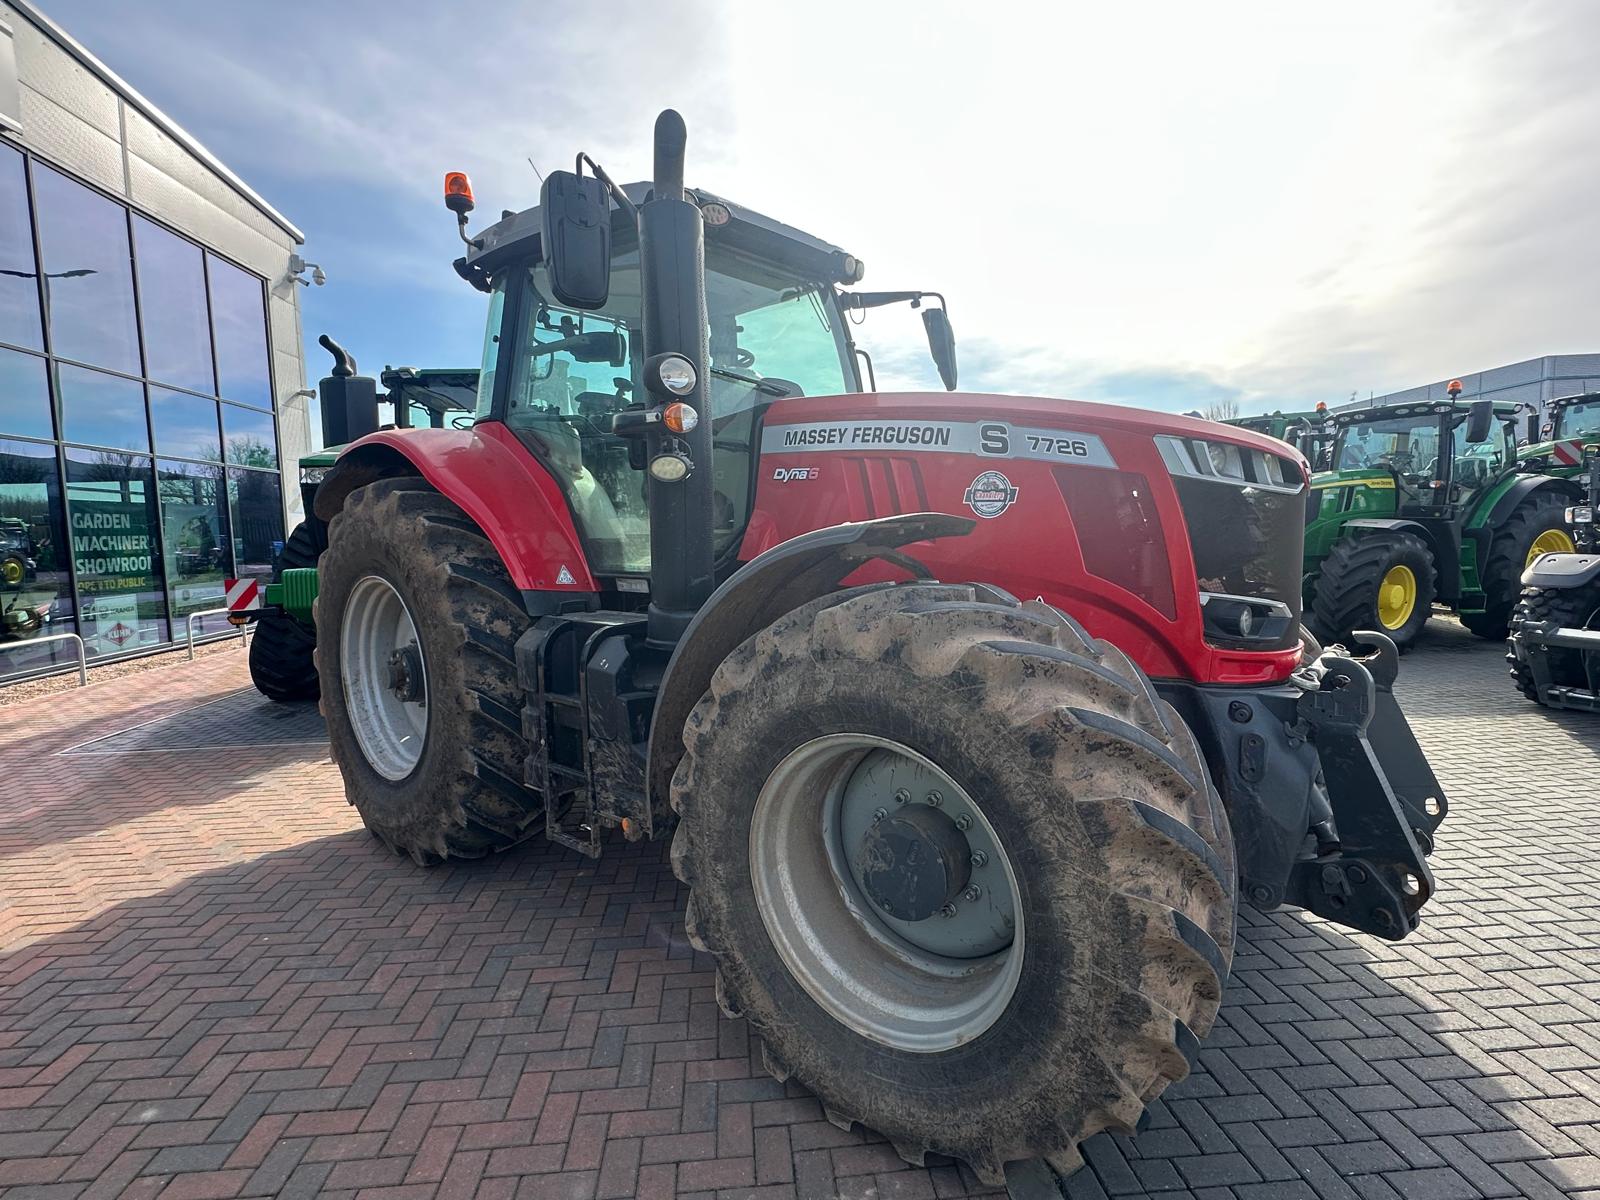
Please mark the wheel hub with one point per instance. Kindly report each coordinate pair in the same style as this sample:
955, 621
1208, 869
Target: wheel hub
914, 863
405, 674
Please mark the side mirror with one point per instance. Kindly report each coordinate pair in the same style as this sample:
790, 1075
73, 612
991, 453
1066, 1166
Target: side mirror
1480, 421
607, 346
941, 344
1533, 427
576, 242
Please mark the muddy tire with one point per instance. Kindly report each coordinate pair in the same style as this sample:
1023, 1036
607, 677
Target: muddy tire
1507, 559
281, 648
1349, 585
1115, 848
1570, 608
450, 787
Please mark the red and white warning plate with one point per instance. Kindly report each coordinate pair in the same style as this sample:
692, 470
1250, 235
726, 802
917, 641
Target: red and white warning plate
243, 594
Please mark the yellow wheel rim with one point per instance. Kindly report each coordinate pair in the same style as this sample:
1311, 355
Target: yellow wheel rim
1551, 541
1397, 596
13, 571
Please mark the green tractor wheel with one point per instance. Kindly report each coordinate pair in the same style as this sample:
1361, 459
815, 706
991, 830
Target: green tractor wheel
1537, 527
1385, 583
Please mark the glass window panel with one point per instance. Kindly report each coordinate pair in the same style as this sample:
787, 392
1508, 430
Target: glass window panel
240, 322
35, 587
172, 307
252, 441
255, 504
102, 409
185, 425
111, 503
19, 279
25, 395
88, 273
194, 527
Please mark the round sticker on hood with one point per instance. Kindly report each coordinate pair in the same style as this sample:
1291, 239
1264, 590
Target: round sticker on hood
990, 494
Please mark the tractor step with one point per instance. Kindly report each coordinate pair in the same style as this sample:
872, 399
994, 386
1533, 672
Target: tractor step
587, 722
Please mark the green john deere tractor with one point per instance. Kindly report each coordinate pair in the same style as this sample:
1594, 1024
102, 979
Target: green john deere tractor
281, 664
1309, 432
1557, 448
1425, 503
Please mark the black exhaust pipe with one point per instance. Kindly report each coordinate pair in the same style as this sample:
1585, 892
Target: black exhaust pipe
672, 276
349, 401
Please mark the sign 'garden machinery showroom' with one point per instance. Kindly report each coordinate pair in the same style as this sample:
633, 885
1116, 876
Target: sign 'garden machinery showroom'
113, 549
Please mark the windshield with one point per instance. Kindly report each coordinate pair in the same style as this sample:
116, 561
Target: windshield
1409, 445
1578, 420
771, 334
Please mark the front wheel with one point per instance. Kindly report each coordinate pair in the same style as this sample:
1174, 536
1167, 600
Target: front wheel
417, 620
281, 648
960, 867
1377, 582
1537, 528
1569, 608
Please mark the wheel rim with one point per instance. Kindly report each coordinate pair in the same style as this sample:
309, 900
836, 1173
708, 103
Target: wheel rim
830, 868
385, 678
1551, 541
1397, 596
12, 571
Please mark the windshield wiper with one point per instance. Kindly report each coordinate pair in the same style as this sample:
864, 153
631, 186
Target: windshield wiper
768, 386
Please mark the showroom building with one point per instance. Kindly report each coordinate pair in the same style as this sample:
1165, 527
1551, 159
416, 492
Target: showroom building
1534, 381
151, 374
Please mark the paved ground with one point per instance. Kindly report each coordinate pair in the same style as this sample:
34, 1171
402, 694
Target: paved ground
212, 983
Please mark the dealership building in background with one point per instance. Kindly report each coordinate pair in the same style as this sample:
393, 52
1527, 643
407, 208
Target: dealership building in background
1535, 381
151, 370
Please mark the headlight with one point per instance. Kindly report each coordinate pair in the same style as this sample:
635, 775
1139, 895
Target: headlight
1581, 515
1244, 619
669, 468
672, 374
313, 474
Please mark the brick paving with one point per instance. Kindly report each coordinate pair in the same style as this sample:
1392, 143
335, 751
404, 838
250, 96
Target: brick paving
214, 984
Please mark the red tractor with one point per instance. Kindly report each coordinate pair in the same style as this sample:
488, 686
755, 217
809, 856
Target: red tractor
972, 718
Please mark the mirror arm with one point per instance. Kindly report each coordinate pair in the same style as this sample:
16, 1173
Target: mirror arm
872, 377
617, 194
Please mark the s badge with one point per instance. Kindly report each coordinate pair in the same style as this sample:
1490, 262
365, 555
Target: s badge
991, 494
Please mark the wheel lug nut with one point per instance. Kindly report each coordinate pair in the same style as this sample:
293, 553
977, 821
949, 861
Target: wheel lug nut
973, 892
948, 911
879, 815
901, 796
935, 798
964, 822
979, 858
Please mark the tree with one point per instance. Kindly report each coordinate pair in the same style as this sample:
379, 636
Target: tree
1222, 410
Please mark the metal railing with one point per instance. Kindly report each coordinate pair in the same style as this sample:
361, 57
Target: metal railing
83, 661
243, 630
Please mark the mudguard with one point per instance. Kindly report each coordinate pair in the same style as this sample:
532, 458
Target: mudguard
775, 582
1562, 571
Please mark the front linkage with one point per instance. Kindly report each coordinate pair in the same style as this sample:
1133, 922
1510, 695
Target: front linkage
1332, 801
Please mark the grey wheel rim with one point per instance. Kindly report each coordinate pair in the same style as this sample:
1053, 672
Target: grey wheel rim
384, 677
923, 982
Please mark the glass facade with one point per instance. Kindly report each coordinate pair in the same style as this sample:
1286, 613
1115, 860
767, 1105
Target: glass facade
139, 461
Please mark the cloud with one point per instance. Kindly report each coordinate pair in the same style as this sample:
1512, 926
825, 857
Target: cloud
1281, 203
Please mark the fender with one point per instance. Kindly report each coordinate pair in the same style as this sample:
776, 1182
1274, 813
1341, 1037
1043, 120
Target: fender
497, 483
757, 594
1562, 571
1523, 486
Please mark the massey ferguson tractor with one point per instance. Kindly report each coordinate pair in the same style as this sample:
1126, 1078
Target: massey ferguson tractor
972, 719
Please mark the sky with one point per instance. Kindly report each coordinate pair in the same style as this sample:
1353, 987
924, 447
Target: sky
1173, 205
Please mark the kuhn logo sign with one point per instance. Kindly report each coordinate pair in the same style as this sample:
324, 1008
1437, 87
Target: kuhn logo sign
990, 494
794, 474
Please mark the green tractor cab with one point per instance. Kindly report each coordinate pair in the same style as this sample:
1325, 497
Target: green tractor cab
1310, 432
281, 663
1557, 448
1423, 503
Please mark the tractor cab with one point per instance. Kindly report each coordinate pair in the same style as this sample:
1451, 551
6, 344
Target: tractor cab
1309, 432
1557, 448
1575, 417
1436, 457
560, 376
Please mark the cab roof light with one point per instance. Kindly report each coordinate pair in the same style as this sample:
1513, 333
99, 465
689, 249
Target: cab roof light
458, 193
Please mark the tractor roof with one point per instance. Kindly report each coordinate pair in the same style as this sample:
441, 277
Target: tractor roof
1580, 398
517, 236
1413, 408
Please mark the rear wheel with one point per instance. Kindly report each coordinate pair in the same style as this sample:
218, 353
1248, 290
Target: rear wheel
960, 867
417, 621
1570, 608
1538, 527
1383, 582
281, 648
